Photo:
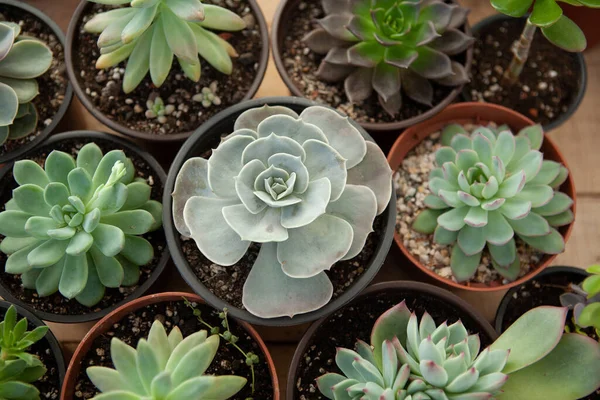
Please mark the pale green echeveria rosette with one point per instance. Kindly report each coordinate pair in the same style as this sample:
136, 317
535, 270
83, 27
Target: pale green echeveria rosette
412, 360
75, 226
22, 59
164, 368
149, 34
307, 187
489, 187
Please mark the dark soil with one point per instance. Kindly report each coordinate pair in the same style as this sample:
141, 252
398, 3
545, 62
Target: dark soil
136, 325
547, 87
355, 321
52, 85
56, 303
301, 65
104, 87
49, 384
544, 290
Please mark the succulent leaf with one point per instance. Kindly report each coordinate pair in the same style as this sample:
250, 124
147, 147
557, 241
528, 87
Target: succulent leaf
298, 185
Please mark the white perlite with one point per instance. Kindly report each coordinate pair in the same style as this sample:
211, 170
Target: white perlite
411, 181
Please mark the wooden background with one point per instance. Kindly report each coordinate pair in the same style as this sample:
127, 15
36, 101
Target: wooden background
578, 139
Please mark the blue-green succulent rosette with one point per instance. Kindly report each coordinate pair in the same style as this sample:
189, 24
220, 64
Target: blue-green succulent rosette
307, 187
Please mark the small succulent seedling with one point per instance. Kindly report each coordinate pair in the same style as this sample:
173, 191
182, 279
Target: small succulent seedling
22, 59
386, 46
412, 360
18, 368
75, 226
584, 300
489, 186
157, 109
307, 187
548, 16
208, 96
149, 33
164, 368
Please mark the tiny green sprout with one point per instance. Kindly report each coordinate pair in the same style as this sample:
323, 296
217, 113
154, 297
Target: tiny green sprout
208, 96
18, 368
548, 16
157, 109
251, 358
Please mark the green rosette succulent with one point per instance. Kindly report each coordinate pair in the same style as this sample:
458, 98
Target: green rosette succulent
389, 46
150, 33
410, 359
75, 226
488, 187
164, 368
584, 300
307, 187
19, 369
22, 59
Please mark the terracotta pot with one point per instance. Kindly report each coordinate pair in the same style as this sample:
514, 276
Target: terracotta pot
72, 32
106, 323
587, 19
288, 10
469, 315
17, 154
479, 113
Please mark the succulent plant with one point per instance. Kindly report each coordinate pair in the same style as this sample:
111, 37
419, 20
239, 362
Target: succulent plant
164, 368
548, 16
156, 108
390, 45
584, 300
75, 226
412, 360
208, 96
19, 369
22, 59
488, 187
149, 33
306, 187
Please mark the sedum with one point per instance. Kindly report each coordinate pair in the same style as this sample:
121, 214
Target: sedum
412, 360
75, 226
18, 368
389, 46
307, 187
164, 368
22, 59
584, 300
150, 33
489, 187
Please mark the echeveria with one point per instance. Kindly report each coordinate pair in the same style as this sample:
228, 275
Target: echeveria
164, 368
76, 225
150, 33
412, 360
490, 186
307, 187
22, 59
390, 45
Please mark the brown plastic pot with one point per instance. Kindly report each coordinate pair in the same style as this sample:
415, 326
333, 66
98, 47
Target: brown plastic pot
72, 32
415, 289
478, 113
288, 10
106, 323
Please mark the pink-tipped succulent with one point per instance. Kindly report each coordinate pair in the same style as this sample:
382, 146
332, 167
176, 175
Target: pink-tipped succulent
412, 360
389, 46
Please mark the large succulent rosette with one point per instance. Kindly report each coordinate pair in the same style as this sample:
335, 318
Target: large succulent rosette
307, 187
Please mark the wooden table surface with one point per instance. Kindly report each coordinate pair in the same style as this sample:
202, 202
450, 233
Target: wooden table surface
578, 140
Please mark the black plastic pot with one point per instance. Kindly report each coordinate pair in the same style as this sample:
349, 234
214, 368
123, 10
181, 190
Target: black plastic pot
50, 338
18, 153
79, 91
86, 137
412, 292
574, 275
288, 10
582, 72
209, 135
